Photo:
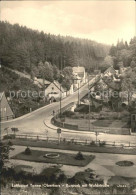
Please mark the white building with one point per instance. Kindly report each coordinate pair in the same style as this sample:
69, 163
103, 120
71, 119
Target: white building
79, 72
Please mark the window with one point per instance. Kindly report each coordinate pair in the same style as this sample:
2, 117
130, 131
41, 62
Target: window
52, 88
133, 117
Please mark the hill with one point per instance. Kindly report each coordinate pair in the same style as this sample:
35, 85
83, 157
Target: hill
19, 91
22, 49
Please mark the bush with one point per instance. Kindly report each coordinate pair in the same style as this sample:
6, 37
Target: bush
27, 151
10, 143
68, 113
79, 156
102, 143
9, 136
92, 143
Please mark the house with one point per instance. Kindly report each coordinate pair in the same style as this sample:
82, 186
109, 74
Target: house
79, 71
54, 91
5, 110
41, 83
133, 122
76, 82
110, 71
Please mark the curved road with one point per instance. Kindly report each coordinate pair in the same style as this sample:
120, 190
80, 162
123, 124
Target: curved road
32, 123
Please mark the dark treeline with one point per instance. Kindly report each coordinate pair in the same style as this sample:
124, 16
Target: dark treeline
23, 49
124, 54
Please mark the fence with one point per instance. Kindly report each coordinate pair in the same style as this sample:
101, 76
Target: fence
6, 118
86, 142
62, 123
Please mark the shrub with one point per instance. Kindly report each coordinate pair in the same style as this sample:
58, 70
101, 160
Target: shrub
79, 156
68, 113
9, 136
92, 143
124, 163
27, 151
10, 143
102, 143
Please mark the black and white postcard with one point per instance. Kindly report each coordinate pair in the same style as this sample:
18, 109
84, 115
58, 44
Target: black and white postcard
68, 97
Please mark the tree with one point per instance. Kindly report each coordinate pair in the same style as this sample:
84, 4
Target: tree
14, 130
45, 71
4, 149
127, 84
108, 61
113, 51
67, 78
56, 73
133, 64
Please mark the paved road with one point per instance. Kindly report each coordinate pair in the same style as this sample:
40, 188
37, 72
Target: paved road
33, 122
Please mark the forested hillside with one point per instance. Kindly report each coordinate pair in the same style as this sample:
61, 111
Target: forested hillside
124, 54
23, 49
11, 83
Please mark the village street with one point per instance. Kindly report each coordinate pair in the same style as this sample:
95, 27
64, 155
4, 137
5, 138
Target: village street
33, 123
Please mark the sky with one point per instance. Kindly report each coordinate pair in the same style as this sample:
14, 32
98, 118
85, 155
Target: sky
102, 21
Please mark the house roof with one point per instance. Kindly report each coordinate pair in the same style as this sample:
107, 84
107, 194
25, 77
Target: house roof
110, 69
58, 85
39, 82
78, 69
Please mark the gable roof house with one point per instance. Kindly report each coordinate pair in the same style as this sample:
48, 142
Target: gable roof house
41, 83
54, 90
5, 110
79, 71
110, 71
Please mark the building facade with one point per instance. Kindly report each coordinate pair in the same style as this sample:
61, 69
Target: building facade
5, 110
79, 72
133, 122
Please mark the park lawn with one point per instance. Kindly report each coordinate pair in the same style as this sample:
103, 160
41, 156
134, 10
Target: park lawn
84, 123
102, 123
64, 158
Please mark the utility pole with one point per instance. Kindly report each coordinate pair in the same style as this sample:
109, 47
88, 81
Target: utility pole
60, 85
89, 104
60, 100
78, 94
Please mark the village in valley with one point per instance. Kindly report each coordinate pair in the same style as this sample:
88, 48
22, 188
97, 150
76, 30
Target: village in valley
67, 113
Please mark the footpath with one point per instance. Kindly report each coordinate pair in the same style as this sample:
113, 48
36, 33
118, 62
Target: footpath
120, 140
